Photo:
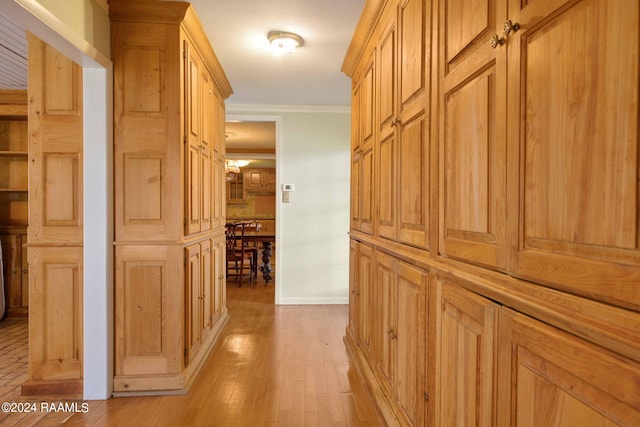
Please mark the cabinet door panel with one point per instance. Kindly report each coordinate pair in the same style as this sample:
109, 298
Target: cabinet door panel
466, 21
385, 297
218, 275
206, 261
193, 154
367, 192
387, 75
467, 346
411, 49
367, 106
473, 183
574, 125
387, 187
411, 342
365, 287
55, 146
55, 322
356, 191
413, 184
193, 285
552, 378
353, 287
206, 187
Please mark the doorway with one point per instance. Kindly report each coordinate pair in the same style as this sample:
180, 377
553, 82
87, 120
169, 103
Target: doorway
253, 193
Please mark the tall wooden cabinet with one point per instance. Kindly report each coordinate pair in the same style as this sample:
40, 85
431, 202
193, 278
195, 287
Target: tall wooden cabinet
504, 221
169, 92
56, 225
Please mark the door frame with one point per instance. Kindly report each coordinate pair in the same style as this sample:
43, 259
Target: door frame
278, 122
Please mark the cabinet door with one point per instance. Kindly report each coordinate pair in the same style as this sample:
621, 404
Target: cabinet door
253, 180
573, 123
367, 196
410, 336
366, 164
207, 278
55, 321
193, 149
219, 197
403, 172
269, 180
219, 178
387, 114
207, 147
551, 378
193, 298
472, 147
353, 288
218, 277
146, 295
365, 303
385, 321
468, 352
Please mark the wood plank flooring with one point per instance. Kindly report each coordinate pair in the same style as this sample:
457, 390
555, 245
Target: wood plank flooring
273, 366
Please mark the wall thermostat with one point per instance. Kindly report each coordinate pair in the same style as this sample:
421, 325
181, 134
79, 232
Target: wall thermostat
287, 187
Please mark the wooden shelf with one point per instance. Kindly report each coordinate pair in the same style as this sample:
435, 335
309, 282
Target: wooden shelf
14, 153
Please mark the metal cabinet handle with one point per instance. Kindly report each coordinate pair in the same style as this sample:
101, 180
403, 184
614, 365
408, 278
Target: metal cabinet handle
496, 41
507, 28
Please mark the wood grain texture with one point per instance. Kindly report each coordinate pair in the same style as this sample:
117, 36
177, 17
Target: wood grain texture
574, 135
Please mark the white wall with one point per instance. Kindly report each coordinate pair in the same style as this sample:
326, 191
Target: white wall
312, 153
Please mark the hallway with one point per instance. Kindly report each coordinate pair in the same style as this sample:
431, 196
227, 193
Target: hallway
273, 366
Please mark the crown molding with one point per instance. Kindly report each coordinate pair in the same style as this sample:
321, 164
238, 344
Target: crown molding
253, 108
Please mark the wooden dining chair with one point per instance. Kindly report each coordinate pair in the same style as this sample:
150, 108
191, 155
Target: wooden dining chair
252, 247
237, 255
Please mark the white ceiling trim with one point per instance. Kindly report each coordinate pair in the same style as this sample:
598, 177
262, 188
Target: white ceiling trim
233, 108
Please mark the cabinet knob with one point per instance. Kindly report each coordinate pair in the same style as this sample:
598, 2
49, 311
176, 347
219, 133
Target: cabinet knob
495, 41
509, 26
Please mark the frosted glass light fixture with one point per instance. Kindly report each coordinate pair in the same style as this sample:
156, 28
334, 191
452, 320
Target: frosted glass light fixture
283, 42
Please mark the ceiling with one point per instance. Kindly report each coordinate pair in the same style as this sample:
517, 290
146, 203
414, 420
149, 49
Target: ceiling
237, 30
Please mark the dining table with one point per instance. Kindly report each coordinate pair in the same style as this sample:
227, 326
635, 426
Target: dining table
266, 239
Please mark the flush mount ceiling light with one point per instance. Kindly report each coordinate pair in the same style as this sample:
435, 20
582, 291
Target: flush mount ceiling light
283, 42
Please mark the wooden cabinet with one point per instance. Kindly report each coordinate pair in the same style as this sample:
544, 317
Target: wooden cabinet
505, 164
366, 297
467, 346
362, 156
169, 112
236, 191
549, 377
399, 359
472, 134
56, 226
388, 326
574, 200
403, 140
260, 180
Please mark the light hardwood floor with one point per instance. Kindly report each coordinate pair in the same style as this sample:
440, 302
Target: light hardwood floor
273, 366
